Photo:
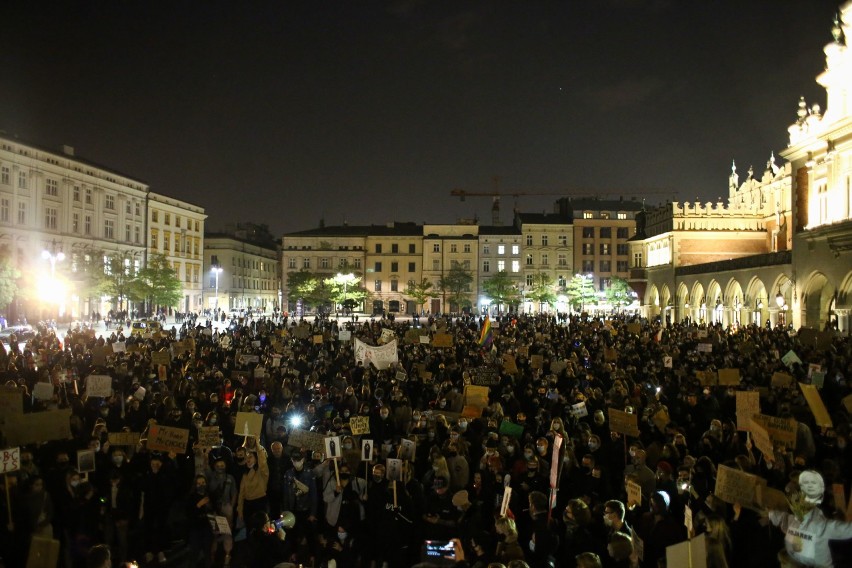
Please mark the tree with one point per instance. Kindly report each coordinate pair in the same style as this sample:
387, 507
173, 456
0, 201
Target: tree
618, 293
308, 287
542, 290
159, 283
581, 292
455, 286
343, 289
501, 289
8, 280
115, 276
421, 291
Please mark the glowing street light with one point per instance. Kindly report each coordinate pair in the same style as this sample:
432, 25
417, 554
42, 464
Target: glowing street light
345, 279
217, 270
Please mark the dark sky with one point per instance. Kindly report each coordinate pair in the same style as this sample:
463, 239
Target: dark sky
287, 112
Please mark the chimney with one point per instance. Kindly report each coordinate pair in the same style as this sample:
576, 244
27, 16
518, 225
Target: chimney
68, 150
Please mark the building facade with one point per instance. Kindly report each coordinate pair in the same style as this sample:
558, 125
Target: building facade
59, 216
240, 274
176, 231
394, 260
500, 250
446, 247
547, 252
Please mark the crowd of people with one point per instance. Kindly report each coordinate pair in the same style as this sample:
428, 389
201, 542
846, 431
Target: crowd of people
533, 475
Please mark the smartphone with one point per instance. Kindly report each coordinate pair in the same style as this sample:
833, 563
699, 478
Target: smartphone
444, 549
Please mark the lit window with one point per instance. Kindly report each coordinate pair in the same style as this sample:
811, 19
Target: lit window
516, 266
501, 249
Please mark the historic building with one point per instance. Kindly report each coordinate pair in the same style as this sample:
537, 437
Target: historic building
394, 259
58, 214
176, 231
242, 272
500, 250
446, 247
547, 241
779, 249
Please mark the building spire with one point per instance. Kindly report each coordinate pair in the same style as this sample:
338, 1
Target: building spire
734, 179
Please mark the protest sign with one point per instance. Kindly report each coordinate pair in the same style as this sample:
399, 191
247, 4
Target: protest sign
393, 467
509, 364
661, 419
780, 430
99, 385
579, 410
208, 436
610, 354
387, 335
259, 372
847, 403
99, 355
816, 405
485, 376
366, 450
382, 356
818, 379
471, 411
12, 402
771, 498
781, 380
161, 357
10, 460
442, 340
558, 366
511, 429
425, 340
407, 449
701, 334
707, 378
359, 425
167, 439
634, 494
44, 553
332, 447
311, 441
317, 339
762, 441
748, 404
123, 438
667, 362
838, 492
790, 358
537, 362
413, 335
816, 339
401, 376
504, 504
623, 422
729, 377
344, 335
301, 331
85, 461
476, 396
555, 462
119, 347
705, 348
634, 328
248, 424
692, 553
735, 486
43, 391
813, 368
39, 427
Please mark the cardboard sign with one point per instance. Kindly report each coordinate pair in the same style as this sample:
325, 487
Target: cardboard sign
99, 385
317, 339
818, 379
504, 504
790, 358
781, 380
634, 493
667, 362
484, 376
623, 422
39, 427
401, 376
359, 425
332, 447
816, 405
471, 411
311, 441
735, 486
367, 450
43, 391
123, 438
85, 461
301, 332
819, 340
762, 441
476, 396
11, 402
661, 419
44, 553
344, 335
704, 348
208, 436
425, 340
771, 498
610, 355
780, 430
634, 328
729, 377
167, 439
99, 355
847, 403
412, 336
707, 378
393, 467
692, 553
748, 404
442, 340
248, 424
161, 357
537, 361
10, 460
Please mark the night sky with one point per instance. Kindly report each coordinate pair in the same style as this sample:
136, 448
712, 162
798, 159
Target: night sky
367, 112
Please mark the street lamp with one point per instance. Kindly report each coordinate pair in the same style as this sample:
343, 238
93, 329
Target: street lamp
345, 278
217, 270
51, 290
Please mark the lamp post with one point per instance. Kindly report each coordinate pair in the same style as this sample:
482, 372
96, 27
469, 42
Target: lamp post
53, 256
345, 278
217, 270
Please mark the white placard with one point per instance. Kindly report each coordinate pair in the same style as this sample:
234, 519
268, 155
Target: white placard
344, 335
43, 391
667, 362
367, 450
99, 385
10, 460
119, 347
504, 505
332, 447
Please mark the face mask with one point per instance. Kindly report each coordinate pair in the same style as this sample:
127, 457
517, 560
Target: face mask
528, 454
346, 414
347, 446
377, 479
415, 417
118, 460
298, 464
198, 424
342, 536
213, 421
510, 449
431, 435
75, 483
442, 404
201, 489
384, 415
541, 449
632, 453
532, 545
593, 446
462, 425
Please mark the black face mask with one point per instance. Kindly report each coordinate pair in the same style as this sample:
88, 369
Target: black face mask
201, 489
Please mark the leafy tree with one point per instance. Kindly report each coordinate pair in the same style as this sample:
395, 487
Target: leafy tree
581, 292
542, 291
115, 276
421, 291
344, 289
159, 283
308, 287
618, 294
455, 286
8, 280
501, 289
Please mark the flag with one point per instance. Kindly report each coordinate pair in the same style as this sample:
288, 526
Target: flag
486, 336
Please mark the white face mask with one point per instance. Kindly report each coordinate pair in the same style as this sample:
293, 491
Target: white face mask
342, 536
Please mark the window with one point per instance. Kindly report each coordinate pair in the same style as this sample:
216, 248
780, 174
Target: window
621, 249
155, 216
136, 208
467, 247
357, 263
561, 281
604, 214
377, 267
378, 287
394, 267
323, 263
621, 266
529, 260
168, 219
51, 187
622, 215
501, 265
76, 193
167, 242
177, 221
605, 283
291, 262
128, 207
637, 259
588, 266
544, 259
436, 264
109, 229
606, 266
515, 249
88, 196
544, 240
412, 266
622, 232
606, 232
529, 279
50, 218
486, 249
588, 248
4, 210
529, 240
107, 265
563, 240
486, 266
394, 285
588, 232
127, 233
5, 175
395, 250
436, 247
561, 260
588, 215
137, 234
378, 248
306, 262
412, 248
454, 248
22, 180
109, 202
22, 213
155, 239
516, 266
605, 249
196, 226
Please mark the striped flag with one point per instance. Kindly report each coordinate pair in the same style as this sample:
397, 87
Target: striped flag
486, 336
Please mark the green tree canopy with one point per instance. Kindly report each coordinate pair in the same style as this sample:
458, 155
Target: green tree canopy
581, 292
456, 285
309, 287
115, 276
8, 280
159, 282
543, 290
618, 294
501, 289
345, 290
421, 291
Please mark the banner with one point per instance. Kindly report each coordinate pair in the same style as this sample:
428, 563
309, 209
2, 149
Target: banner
381, 356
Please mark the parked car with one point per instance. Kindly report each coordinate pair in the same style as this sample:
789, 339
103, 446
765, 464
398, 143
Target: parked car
21, 332
142, 327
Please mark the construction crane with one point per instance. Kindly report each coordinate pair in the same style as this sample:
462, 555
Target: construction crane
496, 195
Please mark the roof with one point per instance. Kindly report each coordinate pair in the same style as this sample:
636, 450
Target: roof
597, 204
498, 230
391, 229
544, 218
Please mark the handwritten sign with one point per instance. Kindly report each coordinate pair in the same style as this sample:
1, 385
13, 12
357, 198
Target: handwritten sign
781, 380
39, 427
401, 376
43, 391
781, 430
359, 425
537, 362
692, 553
771, 498
623, 422
790, 358
167, 439
99, 385
762, 440
816, 405
208, 436
667, 362
707, 378
123, 438
11, 402
748, 404
476, 396
344, 335
442, 340
729, 377
161, 358
119, 347
85, 461
634, 493
705, 348
10, 460
735, 486
484, 376
579, 410
311, 441
248, 424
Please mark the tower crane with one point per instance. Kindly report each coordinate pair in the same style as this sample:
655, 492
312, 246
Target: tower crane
495, 195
